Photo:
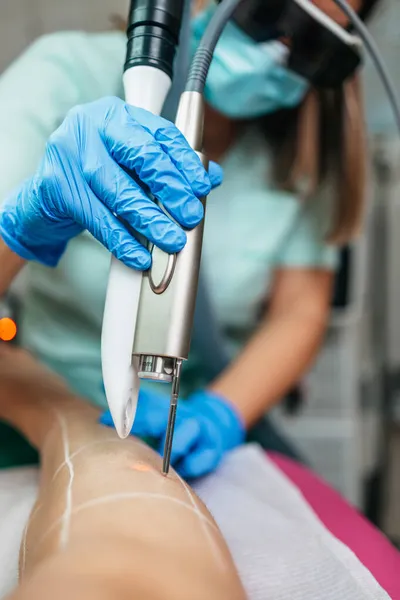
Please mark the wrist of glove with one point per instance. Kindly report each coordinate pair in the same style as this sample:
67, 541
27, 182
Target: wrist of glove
29, 231
207, 426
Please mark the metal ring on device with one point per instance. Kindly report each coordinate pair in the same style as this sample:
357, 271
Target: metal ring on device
166, 278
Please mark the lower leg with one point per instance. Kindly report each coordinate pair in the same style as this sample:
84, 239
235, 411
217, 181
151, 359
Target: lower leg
107, 524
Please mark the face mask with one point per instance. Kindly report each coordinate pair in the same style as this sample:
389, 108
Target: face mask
247, 79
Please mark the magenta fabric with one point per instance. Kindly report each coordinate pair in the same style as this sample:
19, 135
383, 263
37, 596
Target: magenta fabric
370, 546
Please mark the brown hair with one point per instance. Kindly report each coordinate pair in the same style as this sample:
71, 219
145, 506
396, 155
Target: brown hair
320, 146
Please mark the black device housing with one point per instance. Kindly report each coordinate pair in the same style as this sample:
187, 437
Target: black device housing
153, 33
316, 53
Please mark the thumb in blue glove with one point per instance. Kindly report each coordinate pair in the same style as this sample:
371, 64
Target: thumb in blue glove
207, 426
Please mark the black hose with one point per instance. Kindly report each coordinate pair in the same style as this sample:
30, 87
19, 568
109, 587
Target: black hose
204, 53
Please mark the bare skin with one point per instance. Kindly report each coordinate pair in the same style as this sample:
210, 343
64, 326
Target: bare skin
287, 342
10, 265
106, 524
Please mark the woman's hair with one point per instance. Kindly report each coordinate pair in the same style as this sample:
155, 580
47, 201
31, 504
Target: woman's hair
320, 147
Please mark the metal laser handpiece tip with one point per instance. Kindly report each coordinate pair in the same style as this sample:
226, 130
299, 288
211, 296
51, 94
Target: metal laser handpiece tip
169, 438
171, 418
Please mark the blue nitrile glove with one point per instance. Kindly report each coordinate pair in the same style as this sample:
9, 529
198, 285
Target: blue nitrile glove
82, 183
206, 427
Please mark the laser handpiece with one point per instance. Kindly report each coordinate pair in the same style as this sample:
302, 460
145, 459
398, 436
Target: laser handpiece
169, 288
157, 314
151, 316
148, 318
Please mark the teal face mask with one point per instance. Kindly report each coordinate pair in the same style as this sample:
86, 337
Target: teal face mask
247, 79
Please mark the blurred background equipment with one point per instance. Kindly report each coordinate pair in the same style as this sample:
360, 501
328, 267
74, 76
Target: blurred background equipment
349, 404
349, 425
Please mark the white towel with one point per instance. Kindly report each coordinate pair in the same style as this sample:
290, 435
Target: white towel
281, 549
18, 489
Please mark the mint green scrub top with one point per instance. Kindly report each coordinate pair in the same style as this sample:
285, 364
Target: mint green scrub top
250, 228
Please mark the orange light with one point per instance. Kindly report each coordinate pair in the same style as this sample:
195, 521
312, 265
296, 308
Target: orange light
8, 329
139, 466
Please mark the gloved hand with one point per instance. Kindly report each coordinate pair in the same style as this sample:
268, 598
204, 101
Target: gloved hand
206, 427
82, 183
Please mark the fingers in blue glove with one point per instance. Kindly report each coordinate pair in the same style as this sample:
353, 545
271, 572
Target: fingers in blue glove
108, 230
132, 137
81, 184
106, 419
186, 437
177, 148
152, 415
185, 160
128, 201
200, 463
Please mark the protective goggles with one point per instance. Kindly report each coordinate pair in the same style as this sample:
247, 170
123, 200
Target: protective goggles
320, 50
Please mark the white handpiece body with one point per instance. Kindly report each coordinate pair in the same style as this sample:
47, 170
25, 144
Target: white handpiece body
145, 87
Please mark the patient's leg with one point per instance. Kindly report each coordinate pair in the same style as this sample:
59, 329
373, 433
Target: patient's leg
106, 524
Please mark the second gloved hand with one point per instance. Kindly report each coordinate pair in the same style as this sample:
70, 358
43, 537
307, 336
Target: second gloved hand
207, 426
